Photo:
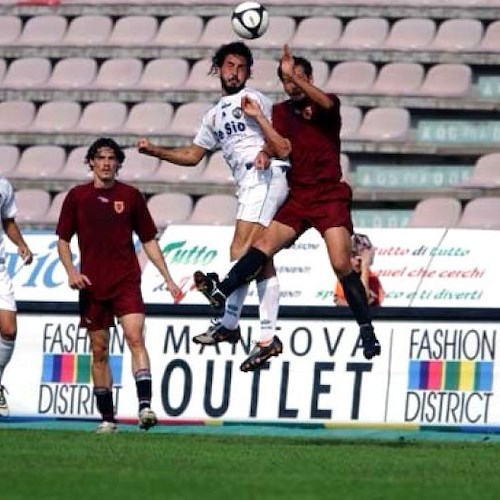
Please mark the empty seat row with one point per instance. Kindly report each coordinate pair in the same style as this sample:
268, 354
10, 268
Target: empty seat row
150, 118
311, 32
479, 213
124, 73
36, 207
41, 163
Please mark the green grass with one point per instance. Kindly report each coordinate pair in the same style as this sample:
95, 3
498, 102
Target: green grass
72, 465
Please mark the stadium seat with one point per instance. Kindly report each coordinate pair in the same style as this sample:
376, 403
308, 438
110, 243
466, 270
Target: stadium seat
321, 72
345, 167
56, 116
364, 33
264, 76
411, 34
27, 72
351, 117
486, 172
217, 171
3, 68
214, 209
187, 118
73, 73
133, 30
51, 217
385, 124
16, 116
149, 118
102, 117
138, 167
40, 162
90, 30
164, 74
281, 30
170, 208
9, 156
306, 34
171, 173
351, 77
491, 38
457, 35
447, 80
179, 31
199, 78
32, 205
481, 213
399, 78
217, 31
436, 212
118, 73
43, 30
75, 167
10, 29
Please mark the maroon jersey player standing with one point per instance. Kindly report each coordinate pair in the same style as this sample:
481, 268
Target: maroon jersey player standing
104, 214
318, 198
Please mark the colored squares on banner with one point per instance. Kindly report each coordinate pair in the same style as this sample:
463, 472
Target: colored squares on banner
450, 375
75, 368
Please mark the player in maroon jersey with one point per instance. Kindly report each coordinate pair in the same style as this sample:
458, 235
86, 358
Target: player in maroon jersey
104, 214
318, 198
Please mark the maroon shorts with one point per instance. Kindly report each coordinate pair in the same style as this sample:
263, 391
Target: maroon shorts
98, 314
321, 206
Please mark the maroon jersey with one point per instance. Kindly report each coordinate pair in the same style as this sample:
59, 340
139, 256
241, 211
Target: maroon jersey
104, 220
315, 137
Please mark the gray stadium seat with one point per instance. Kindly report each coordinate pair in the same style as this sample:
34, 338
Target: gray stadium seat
133, 30
306, 34
436, 212
9, 157
179, 31
199, 78
102, 117
351, 117
491, 38
56, 116
170, 208
146, 118
281, 30
27, 72
138, 167
32, 205
164, 74
214, 209
51, 217
385, 124
486, 172
10, 29
399, 78
171, 173
40, 162
447, 80
264, 76
118, 73
217, 171
411, 34
16, 116
88, 30
187, 118
364, 33
75, 167
350, 77
457, 35
43, 30
217, 31
481, 213
73, 73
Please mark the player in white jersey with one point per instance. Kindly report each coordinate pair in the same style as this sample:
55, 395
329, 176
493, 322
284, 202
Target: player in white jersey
8, 314
240, 124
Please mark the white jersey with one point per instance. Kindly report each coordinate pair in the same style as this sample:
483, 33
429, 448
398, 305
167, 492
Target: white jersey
225, 125
8, 210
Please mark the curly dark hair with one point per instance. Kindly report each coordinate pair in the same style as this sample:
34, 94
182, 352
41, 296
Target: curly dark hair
104, 142
233, 48
298, 61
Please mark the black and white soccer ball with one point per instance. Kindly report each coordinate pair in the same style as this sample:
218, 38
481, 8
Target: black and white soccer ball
250, 20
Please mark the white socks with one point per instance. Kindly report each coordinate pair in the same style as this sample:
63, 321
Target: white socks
269, 295
234, 305
6, 350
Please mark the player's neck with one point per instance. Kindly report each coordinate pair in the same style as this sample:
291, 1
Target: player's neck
104, 183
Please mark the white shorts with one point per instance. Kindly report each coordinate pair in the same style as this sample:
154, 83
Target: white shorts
7, 300
260, 201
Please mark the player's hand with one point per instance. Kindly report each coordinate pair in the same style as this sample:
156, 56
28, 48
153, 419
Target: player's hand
286, 61
174, 290
26, 255
78, 281
262, 161
251, 107
144, 146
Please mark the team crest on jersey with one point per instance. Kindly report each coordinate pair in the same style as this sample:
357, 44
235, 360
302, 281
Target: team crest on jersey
119, 206
237, 113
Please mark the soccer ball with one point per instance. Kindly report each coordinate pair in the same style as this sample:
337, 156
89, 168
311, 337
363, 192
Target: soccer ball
250, 20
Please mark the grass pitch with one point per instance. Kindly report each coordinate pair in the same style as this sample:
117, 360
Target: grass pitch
53, 464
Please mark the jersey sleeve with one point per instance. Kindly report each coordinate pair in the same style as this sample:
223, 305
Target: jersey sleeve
66, 225
206, 136
8, 207
142, 221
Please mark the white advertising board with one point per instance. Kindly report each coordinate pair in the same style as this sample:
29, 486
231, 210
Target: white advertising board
428, 374
417, 267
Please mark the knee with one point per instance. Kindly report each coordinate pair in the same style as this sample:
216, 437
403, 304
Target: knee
100, 354
9, 335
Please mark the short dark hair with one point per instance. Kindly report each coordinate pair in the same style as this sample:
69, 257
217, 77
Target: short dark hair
233, 48
298, 61
104, 142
